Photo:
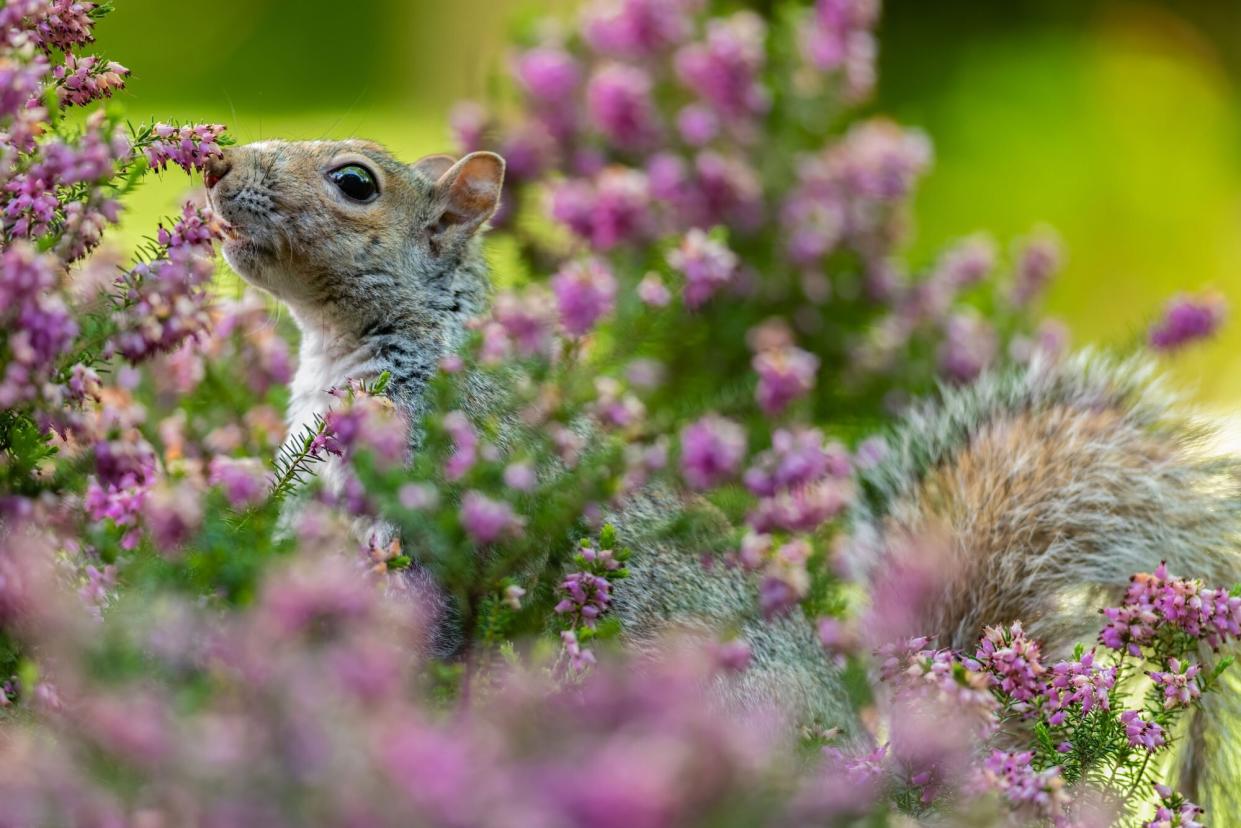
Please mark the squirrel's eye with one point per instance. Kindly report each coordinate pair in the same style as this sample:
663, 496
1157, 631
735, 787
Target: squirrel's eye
355, 181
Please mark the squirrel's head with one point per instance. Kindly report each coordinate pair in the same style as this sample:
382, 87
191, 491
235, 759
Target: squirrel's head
335, 223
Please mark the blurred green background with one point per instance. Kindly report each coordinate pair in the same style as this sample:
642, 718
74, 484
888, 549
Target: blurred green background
1117, 123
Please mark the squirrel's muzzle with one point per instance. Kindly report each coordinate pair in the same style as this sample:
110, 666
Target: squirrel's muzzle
215, 170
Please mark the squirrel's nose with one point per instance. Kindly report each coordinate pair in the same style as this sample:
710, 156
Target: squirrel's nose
215, 170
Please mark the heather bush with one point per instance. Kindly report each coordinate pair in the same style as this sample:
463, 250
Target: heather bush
705, 294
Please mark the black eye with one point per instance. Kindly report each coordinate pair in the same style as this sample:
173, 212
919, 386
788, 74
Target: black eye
355, 181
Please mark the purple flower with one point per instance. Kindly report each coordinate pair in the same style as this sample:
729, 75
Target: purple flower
166, 299
619, 104
521, 476
1187, 319
549, 75
1011, 774
189, 147
969, 346
612, 210
172, 514
586, 598
636, 28
797, 458
1078, 682
1013, 660
486, 520
801, 510
733, 656
64, 24
1211, 615
585, 292
40, 327
711, 451
579, 658
707, 265
82, 80
1037, 261
723, 70
784, 374
652, 291
522, 323
464, 445
838, 37
698, 125
1140, 732
245, 482
1179, 683
1174, 811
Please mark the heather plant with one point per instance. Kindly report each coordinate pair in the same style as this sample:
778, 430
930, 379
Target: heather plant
707, 299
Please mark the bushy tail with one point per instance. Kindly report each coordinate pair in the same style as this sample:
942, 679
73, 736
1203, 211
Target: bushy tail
1050, 486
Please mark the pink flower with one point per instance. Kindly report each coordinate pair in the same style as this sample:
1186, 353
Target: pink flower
1142, 733
635, 28
711, 451
1037, 261
548, 74
652, 291
619, 104
464, 445
724, 69
1078, 682
784, 374
1041, 791
189, 147
585, 292
587, 597
1187, 319
707, 265
1179, 683
486, 520
969, 346
1014, 661
245, 481
521, 477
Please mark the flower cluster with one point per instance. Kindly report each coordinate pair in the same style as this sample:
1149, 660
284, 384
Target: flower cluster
1185, 320
164, 300
1157, 603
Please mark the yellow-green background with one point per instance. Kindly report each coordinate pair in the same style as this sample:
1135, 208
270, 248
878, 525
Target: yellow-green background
1117, 123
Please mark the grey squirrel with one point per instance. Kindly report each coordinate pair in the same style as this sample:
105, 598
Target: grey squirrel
1049, 485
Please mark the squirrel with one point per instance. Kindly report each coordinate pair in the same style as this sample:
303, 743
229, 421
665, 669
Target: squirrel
1048, 485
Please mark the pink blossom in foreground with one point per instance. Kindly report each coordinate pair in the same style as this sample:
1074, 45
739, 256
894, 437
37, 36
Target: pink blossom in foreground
1042, 792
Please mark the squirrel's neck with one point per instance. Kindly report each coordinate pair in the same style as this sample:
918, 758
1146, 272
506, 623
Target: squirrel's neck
405, 332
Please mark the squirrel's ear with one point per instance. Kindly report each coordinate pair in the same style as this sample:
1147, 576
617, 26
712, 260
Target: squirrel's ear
468, 193
434, 166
